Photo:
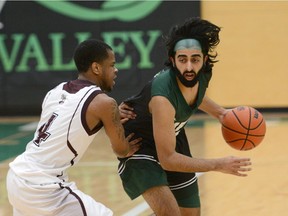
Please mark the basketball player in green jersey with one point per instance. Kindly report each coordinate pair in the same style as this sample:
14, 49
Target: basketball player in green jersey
163, 170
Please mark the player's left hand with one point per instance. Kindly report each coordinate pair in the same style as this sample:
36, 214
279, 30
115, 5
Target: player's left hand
126, 112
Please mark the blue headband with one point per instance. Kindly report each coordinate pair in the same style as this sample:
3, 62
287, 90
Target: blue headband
187, 44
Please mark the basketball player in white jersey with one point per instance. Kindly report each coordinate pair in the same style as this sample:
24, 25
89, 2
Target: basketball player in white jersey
72, 113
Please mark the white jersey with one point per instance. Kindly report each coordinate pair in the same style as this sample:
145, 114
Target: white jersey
62, 135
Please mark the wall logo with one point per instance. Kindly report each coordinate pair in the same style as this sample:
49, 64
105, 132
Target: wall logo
35, 49
25, 51
110, 9
1, 6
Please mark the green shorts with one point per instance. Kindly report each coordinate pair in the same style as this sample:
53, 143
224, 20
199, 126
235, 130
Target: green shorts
141, 172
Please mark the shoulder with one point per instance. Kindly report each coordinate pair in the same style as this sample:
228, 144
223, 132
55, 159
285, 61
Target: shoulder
163, 83
164, 74
102, 108
102, 102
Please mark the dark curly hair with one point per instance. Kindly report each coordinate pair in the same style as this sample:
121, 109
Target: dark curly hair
202, 30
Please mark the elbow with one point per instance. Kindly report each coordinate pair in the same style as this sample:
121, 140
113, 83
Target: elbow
166, 164
121, 152
166, 167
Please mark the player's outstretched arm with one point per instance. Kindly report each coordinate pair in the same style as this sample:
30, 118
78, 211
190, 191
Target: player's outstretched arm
164, 134
212, 108
105, 109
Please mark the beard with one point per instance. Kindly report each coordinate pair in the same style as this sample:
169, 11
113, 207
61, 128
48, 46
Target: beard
184, 81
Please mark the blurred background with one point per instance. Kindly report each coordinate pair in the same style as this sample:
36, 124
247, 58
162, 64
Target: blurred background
37, 45
37, 41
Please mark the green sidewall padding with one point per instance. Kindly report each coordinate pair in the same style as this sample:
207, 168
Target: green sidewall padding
12, 140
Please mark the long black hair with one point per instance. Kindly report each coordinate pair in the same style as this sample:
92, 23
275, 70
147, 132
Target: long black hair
202, 30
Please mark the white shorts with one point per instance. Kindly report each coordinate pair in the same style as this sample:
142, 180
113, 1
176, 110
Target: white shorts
52, 199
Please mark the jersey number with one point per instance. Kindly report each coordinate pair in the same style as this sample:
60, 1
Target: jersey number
42, 132
178, 126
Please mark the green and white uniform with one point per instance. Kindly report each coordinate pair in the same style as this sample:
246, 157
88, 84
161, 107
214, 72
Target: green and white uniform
142, 170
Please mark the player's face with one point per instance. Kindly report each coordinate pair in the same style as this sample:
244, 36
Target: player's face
109, 72
189, 62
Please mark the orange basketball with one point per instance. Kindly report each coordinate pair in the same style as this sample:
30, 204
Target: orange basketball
243, 128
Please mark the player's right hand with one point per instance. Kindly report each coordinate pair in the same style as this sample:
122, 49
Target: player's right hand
134, 144
234, 165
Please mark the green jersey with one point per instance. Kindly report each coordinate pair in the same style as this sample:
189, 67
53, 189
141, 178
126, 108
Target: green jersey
163, 84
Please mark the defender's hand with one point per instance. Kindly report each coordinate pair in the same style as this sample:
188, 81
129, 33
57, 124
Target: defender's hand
126, 112
133, 144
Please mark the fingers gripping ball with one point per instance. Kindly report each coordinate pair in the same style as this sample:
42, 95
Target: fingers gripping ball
243, 128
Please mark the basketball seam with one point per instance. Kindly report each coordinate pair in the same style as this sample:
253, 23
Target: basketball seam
239, 120
253, 135
246, 140
257, 126
248, 130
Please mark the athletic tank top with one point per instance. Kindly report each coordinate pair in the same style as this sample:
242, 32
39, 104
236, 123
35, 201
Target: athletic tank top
163, 84
62, 135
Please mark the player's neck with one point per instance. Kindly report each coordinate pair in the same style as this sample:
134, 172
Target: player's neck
190, 94
86, 77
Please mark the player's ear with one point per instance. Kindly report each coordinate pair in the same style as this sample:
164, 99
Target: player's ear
205, 59
172, 61
96, 67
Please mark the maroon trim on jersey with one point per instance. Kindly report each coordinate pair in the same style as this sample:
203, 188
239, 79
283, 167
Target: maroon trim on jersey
74, 86
83, 114
74, 152
77, 197
89, 100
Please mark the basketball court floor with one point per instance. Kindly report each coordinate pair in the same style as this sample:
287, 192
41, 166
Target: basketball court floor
263, 193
